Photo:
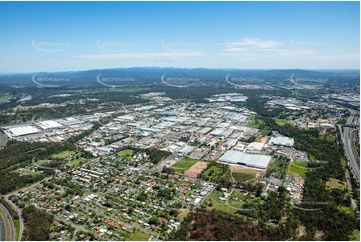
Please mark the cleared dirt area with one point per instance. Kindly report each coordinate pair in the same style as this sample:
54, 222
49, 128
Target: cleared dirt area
196, 169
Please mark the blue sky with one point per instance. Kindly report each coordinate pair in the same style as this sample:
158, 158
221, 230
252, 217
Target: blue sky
69, 36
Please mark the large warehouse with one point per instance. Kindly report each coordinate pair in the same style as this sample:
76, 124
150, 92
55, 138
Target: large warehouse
23, 130
284, 141
50, 124
240, 158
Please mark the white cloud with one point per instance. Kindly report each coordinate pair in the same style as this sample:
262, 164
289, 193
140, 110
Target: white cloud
251, 44
138, 55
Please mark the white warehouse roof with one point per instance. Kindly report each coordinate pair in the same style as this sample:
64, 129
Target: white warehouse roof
240, 158
285, 141
24, 130
50, 124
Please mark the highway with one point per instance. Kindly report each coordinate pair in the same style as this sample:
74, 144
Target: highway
2, 229
11, 222
19, 211
351, 158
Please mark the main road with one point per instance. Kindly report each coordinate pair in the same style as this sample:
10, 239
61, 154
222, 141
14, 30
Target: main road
2, 229
351, 158
11, 222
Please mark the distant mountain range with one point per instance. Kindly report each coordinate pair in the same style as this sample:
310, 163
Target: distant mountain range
153, 74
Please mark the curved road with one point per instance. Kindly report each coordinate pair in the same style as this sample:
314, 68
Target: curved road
11, 222
19, 211
351, 158
2, 229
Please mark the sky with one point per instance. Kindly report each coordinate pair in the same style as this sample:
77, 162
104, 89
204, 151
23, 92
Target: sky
71, 36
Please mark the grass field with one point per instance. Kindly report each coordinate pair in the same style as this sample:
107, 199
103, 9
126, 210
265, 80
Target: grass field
355, 235
139, 236
265, 132
282, 122
17, 228
183, 164
252, 117
298, 168
335, 183
76, 162
214, 172
254, 126
63, 154
124, 153
330, 138
242, 177
312, 157
4, 98
218, 204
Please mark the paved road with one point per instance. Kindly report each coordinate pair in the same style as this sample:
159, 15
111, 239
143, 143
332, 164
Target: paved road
11, 222
353, 203
18, 210
351, 158
2, 229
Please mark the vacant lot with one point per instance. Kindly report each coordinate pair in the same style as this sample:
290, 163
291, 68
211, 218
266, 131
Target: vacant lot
298, 168
124, 153
63, 154
335, 183
196, 169
183, 164
282, 122
139, 236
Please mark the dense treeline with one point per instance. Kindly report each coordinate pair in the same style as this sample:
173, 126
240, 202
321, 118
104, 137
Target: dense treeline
335, 224
12, 212
15, 155
210, 225
37, 224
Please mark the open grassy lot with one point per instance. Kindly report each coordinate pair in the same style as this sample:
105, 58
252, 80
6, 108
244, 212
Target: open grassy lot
298, 168
76, 162
4, 98
139, 236
183, 164
265, 132
254, 125
355, 235
330, 138
124, 153
218, 204
335, 183
252, 117
17, 228
282, 122
213, 172
63, 154
242, 177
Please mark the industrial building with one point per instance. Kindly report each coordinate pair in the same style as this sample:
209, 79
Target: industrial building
22, 130
49, 124
283, 141
240, 158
